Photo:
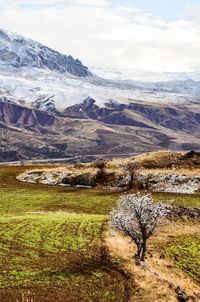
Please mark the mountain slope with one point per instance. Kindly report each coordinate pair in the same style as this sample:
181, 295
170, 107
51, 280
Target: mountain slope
51, 106
17, 51
86, 129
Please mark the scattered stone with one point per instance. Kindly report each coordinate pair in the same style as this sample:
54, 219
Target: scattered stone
182, 297
162, 256
183, 212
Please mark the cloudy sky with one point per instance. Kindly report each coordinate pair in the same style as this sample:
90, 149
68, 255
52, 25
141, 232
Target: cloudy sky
152, 35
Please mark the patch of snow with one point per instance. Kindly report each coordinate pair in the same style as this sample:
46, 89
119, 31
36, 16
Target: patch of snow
33, 86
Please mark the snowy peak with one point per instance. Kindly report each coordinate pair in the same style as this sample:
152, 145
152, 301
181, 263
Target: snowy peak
17, 51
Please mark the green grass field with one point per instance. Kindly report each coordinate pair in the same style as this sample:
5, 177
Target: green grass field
186, 200
51, 242
19, 198
186, 254
58, 256
50, 253
35, 245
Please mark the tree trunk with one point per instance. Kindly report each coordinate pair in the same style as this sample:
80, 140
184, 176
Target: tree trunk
130, 184
139, 251
143, 253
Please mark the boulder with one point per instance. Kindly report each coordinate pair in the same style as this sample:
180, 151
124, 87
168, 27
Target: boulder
83, 179
182, 297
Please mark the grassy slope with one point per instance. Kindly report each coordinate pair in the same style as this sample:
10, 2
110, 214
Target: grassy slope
58, 255
186, 254
21, 197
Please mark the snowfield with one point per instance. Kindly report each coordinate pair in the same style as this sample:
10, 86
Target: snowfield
46, 90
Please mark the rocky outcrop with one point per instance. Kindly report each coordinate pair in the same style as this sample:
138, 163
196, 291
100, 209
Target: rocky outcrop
62, 178
82, 179
81, 110
184, 213
74, 178
170, 183
181, 295
115, 178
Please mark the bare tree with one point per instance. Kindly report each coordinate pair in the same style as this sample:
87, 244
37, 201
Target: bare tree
132, 168
137, 216
101, 165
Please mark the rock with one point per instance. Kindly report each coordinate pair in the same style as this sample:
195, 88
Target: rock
182, 297
183, 212
114, 179
83, 179
170, 183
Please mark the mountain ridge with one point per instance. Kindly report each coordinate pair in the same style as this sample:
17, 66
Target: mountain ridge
18, 51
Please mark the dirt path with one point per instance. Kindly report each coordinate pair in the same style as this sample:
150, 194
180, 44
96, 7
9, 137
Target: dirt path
159, 278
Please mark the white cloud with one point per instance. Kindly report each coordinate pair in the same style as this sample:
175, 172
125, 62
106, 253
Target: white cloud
17, 3
192, 12
91, 2
103, 35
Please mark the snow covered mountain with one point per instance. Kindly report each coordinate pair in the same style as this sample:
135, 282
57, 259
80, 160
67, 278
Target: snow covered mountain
17, 51
52, 106
34, 75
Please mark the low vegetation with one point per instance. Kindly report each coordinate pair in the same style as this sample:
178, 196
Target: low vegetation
18, 197
60, 256
49, 254
186, 254
52, 241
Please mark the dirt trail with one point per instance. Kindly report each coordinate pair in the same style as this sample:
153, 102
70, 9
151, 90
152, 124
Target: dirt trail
158, 279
